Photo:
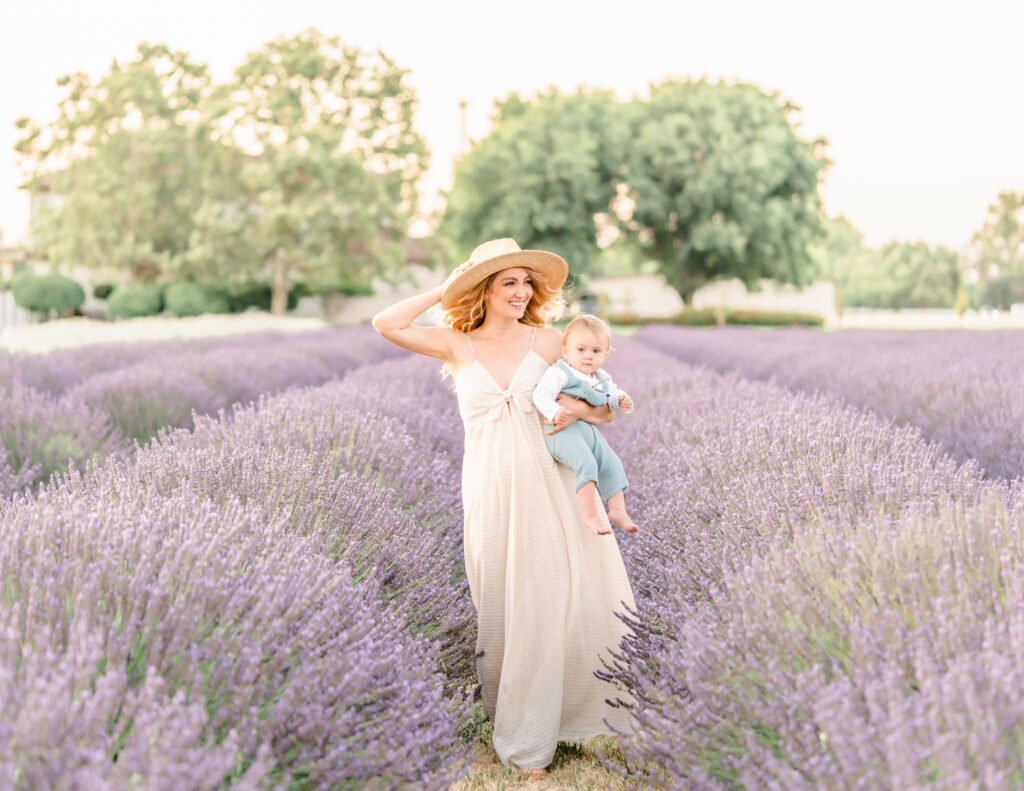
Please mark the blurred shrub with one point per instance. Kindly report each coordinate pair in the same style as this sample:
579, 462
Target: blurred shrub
257, 295
103, 290
44, 293
1003, 292
136, 299
254, 295
709, 317
5, 285
189, 298
773, 318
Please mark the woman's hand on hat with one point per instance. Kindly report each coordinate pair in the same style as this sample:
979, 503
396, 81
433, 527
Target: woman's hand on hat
458, 271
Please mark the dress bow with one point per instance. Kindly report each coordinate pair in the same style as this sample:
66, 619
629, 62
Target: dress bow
514, 399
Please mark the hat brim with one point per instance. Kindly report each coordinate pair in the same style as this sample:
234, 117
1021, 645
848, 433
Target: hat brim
552, 267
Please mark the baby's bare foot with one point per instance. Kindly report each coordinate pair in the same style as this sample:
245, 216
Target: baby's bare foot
596, 525
621, 520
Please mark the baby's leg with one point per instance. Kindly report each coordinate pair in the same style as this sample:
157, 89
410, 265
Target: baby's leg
571, 449
587, 495
611, 480
617, 514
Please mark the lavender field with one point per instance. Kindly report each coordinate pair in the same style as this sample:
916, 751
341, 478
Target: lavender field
961, 389
270, 595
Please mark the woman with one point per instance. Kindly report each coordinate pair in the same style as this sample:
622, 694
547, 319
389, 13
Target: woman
544, 586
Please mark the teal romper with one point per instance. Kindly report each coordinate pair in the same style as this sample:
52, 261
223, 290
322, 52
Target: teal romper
580, 447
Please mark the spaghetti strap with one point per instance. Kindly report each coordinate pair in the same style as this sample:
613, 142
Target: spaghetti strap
532, 338
474, 350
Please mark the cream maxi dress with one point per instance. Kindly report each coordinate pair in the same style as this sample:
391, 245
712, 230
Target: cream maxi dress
545, 588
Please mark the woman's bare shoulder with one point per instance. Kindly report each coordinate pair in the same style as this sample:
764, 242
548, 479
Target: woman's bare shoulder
549, 343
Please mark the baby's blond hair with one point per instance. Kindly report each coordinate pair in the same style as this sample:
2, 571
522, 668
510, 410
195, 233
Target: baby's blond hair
587, 321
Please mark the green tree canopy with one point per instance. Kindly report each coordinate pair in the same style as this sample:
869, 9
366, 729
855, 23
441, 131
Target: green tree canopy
837, 255
722, 185
997, 248
544, 176
326, 165
709, 180
903, 275
303, 168
124, 159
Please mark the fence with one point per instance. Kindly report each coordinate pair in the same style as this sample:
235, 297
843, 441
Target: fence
11, 316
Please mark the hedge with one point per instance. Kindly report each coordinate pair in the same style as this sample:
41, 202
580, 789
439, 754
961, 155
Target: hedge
136, 299
709, 317
189, 298
43, 293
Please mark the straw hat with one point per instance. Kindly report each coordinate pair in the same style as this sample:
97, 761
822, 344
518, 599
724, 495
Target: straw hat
495, 255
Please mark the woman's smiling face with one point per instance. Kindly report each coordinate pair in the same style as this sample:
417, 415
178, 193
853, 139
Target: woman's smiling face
509, 293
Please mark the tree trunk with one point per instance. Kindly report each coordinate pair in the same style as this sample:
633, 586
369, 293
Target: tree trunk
278, 287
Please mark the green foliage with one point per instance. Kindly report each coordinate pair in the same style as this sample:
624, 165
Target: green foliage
707, 179
1002, 292
43, 293
709, 317
996, 253
189, 298
998, 246
903, 275
103, 290
301, 168
257, 295
324, 188
722, 185
766, 318
835, 255
541, 177
5, 284
136, 299
125, 159
962, 302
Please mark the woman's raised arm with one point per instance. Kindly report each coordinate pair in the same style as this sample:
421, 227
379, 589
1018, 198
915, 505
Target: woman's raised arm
395, 324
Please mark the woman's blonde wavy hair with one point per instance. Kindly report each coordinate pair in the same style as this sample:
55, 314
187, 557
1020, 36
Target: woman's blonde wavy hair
544, 306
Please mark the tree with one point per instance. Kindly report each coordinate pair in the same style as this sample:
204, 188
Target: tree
903, 275
996, 252
544, 176
836, 255
124, 159
323, 170
722, 185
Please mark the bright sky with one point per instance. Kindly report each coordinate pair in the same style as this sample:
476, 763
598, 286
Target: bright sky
923, 107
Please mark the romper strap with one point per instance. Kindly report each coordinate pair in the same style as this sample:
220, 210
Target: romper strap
471, 347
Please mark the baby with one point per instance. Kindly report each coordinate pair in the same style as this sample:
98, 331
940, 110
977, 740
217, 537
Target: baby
586, 343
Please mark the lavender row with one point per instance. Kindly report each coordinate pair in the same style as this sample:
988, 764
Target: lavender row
58, 371
961, 389
824, 600
50, 426
271, 599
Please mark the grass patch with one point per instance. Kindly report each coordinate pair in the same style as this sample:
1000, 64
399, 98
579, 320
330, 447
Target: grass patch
575, 766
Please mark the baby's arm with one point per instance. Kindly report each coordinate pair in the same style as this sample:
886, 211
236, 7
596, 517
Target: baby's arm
546, 391
618, 400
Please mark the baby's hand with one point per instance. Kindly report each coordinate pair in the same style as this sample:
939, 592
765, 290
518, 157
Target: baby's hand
625, 402
562, 419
